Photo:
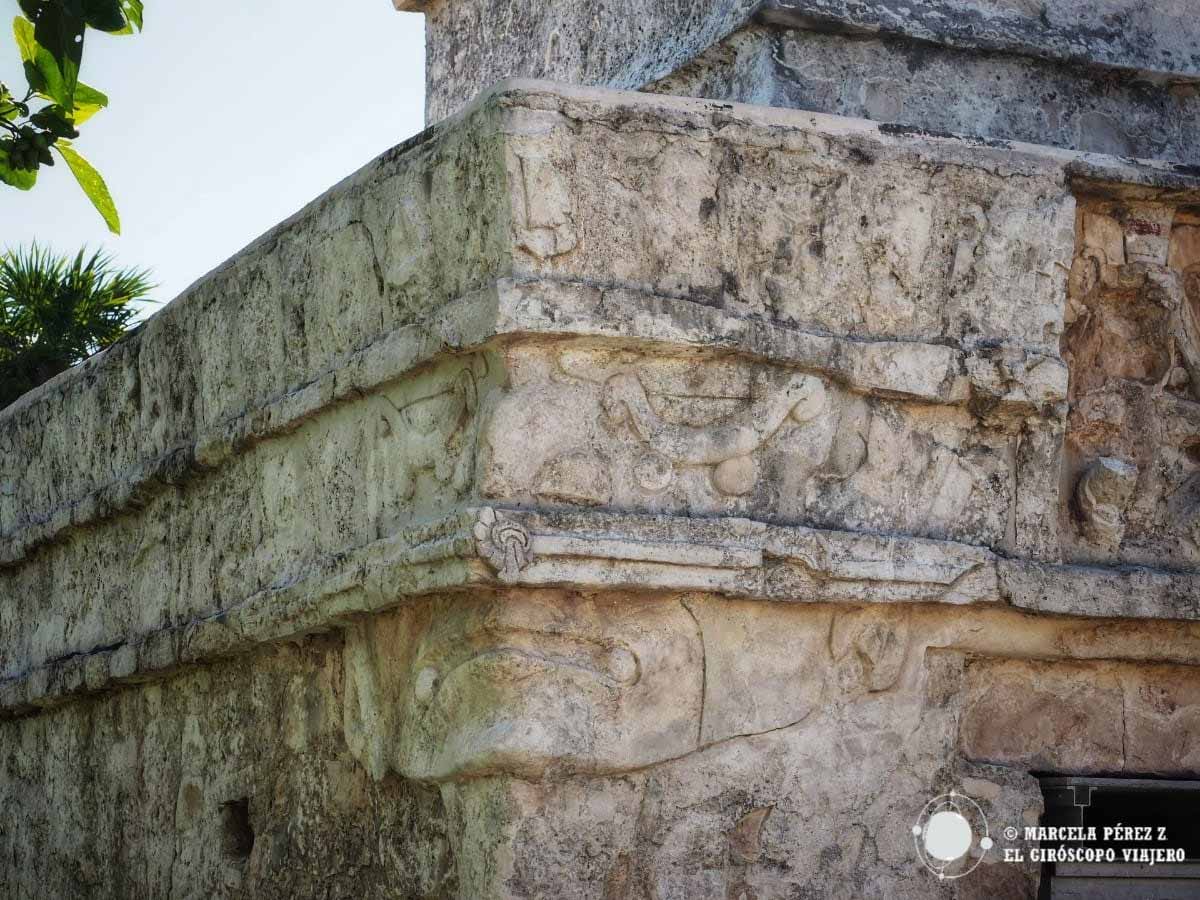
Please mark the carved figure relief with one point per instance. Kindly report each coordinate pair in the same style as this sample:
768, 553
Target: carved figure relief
728, 445
423, 432
731, 436
1133, 346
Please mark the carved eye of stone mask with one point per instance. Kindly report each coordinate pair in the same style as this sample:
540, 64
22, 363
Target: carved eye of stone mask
653, 472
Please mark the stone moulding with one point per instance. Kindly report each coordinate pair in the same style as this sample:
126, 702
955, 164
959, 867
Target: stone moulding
471, 550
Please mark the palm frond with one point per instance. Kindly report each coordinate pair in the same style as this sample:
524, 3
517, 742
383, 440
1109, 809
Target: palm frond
57, 310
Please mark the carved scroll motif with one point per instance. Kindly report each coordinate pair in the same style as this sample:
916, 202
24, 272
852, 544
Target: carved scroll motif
503, 543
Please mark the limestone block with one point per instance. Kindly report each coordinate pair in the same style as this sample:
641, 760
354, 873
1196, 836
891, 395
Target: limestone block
1097, 717
947, 87
790, 228
1162, 721
781, 683
230, 781
532, 684
1044, 717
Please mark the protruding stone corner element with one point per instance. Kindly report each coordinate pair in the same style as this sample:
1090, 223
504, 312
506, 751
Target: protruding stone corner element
1132, 343
417, 6
504, 543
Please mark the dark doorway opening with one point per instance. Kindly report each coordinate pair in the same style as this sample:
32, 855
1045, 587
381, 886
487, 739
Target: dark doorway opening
1144, 814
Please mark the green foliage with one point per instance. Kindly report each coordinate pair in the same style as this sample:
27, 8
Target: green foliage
50, 37
93, 185
56, 311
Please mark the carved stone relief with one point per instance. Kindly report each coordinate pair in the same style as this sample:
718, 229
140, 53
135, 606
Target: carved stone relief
729, 436
527, 683
1131, 477
422, 436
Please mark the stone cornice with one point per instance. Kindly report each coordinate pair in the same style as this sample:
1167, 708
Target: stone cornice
510, 549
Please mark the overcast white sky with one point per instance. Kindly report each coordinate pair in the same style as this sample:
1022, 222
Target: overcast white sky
225, 116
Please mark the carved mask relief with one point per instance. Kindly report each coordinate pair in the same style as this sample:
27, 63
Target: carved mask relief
1132, 466
541, 680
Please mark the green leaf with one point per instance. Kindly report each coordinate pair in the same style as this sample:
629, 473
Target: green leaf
103, 15
43, 72
133, 15
26, 43
9, 110
54, 120
93, 185
59, 34
88, 102
22, 179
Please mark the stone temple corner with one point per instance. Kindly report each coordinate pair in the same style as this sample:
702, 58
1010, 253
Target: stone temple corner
728, 429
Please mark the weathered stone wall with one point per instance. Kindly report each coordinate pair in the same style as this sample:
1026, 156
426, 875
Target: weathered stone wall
935, 407
892, 78
540, 742
230, 780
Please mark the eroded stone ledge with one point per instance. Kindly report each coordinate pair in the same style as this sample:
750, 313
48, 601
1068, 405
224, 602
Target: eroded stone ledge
482, 548
1133, 592
1064, 30
362, 372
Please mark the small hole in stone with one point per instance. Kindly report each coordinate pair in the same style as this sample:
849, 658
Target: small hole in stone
237, 830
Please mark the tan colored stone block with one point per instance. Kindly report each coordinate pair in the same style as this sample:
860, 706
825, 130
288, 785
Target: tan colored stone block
1162, 720
1057, 717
